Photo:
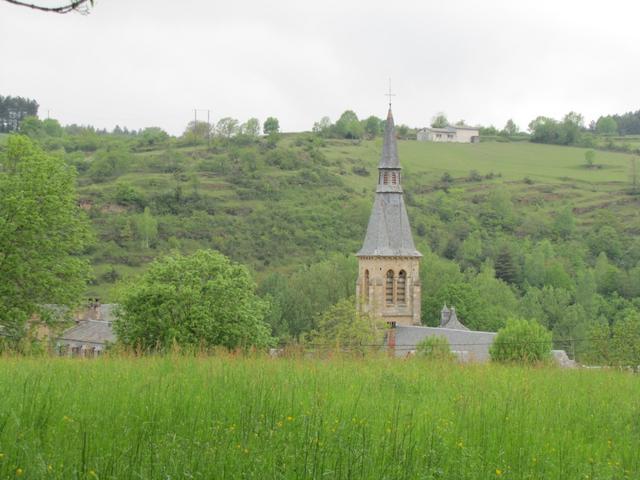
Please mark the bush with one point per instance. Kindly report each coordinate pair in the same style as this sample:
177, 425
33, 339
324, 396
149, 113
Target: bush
435, 348
197, 300
521, 341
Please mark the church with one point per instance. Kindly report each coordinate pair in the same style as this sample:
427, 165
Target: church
388, 262
388, 284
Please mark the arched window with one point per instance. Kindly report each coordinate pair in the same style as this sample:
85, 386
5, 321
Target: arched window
393, 178
401, 287
389, 288
366, 286
385, 178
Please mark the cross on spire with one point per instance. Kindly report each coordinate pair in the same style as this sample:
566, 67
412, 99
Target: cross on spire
389, 94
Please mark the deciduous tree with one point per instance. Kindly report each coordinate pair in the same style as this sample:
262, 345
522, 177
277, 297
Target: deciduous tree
198, 300
42, 235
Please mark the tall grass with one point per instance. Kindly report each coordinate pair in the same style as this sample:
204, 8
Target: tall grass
224, 417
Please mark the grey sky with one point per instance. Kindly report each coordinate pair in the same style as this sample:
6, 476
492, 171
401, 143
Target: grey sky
150, 62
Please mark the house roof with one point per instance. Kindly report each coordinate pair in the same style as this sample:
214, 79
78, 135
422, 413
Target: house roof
475, 343
449, 129
96, 332
449, 319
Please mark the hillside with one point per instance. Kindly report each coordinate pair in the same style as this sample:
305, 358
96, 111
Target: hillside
270, 214
507, 229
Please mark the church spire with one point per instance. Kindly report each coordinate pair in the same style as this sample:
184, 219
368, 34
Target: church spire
389, 157
388, 232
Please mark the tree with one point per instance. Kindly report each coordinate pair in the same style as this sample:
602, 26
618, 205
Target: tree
152, 136
271, 126
343, 326
521, 341
52, 127
42, 235
323, 127
510, 128
589, 157
348, 126
227, 127
146, 227
564, 223
198, 300
505, 267
81, 6
31, 126
197, 132
572, 124
373, 126
439, 121
13, 110
251, 127
606, 126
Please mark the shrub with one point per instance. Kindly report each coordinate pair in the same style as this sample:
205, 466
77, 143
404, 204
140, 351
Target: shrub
198, 300
435, 348
521, 341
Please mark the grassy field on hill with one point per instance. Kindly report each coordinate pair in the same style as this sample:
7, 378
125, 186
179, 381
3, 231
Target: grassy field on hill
274, 217
373, 418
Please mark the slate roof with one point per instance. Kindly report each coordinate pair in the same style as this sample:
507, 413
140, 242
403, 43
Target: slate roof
476, 344
449, 128
389, 157
388, 231
449, 319
95, 332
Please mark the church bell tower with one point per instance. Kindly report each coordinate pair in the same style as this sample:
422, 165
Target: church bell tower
388, 263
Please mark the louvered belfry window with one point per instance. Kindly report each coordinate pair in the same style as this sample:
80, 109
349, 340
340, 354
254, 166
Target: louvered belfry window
389, 288
366, 286
401, 288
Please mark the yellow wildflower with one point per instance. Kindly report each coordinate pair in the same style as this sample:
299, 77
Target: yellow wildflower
498, 472
19, 472
93, 474
460, 444
1, 456
49, 468
290, 418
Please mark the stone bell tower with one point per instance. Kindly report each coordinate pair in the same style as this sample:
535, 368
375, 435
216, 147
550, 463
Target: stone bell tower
388, 262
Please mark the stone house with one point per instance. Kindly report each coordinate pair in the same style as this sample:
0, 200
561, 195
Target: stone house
450, 133
91, 334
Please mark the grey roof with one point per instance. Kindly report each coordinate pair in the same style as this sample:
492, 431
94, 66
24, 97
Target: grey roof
389, 157
389, 232
476, 344
449, 128
95, 332
449, 319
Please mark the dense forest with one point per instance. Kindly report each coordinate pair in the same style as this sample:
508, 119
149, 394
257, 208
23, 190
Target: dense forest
294, 207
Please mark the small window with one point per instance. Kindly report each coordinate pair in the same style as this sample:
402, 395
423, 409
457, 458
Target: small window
393, 178
385, 178
401, 287
389, 288
365, 287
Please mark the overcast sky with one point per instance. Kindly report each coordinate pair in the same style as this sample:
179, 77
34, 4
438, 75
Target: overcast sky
140, 63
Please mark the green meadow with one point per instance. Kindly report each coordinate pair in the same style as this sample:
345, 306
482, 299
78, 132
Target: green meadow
376, 418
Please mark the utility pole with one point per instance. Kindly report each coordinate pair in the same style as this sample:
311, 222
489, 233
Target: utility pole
195, 122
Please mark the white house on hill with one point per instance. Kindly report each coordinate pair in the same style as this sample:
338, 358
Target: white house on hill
459, 134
